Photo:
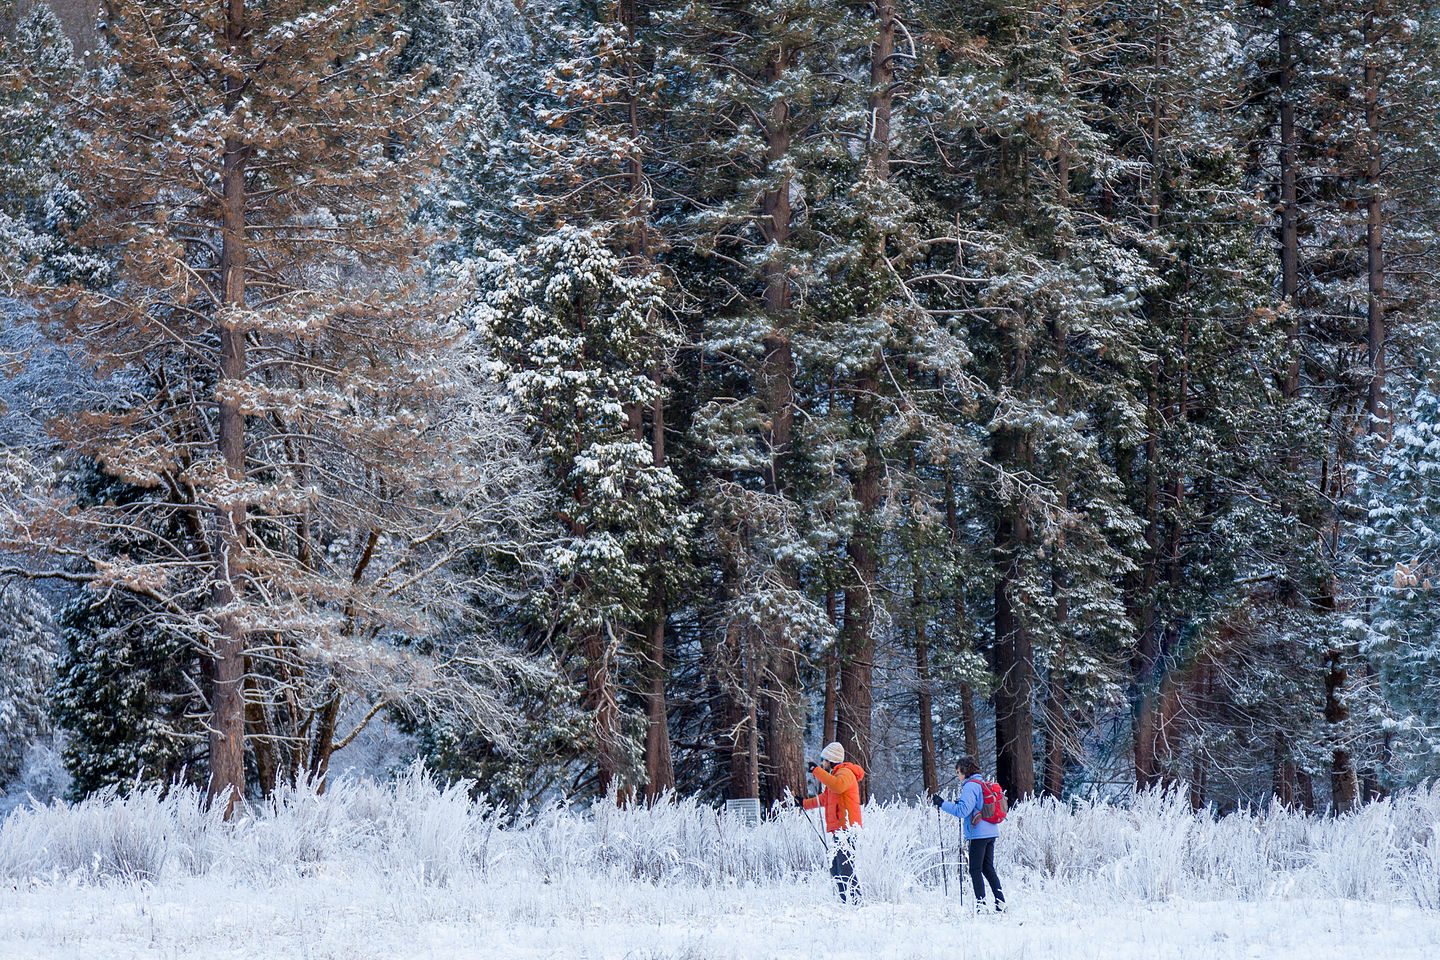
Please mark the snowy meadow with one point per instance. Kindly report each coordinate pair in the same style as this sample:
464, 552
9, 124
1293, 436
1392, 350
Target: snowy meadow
411, 869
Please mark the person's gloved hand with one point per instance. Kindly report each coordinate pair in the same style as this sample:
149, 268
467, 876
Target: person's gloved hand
937, 799
811, 764
800, 802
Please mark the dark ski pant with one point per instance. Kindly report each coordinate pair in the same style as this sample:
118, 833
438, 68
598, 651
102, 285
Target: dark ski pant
982, 868
842, 868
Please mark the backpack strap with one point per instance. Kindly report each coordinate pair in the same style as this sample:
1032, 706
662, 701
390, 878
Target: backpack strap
979, 782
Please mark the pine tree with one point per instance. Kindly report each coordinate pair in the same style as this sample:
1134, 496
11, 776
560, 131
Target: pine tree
574, 339
752, 91
298, 409
126, 696
1400, 543
591, 159
1047, 292
1364, 76
27, 666
37, 205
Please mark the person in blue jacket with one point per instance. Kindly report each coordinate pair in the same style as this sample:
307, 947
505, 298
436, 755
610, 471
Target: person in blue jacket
980, 833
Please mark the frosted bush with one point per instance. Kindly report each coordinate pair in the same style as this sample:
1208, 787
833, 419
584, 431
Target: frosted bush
415, 833
138, 837
1419, 870
297, 831
897, 852
433, 834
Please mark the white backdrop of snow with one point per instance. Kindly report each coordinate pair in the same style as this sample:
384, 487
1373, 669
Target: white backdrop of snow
413, 870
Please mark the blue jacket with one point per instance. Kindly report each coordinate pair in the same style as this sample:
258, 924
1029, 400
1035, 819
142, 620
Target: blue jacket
972, 798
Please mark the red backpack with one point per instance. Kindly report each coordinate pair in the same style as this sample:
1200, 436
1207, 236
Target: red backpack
993, 809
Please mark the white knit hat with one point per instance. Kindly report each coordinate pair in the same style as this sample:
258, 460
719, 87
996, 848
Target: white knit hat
833, 752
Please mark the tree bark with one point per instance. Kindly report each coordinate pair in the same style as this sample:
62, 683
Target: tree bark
827, 725
1197, 783
659, 766
1147, 659
923, 697
852, 719
1305, 791
1283, 781
1014, 659
600, 702
784, 734
323, 742
735, 717
227, 721
1053, 781
262, 734
750, 784
1344, 786
967, 694
968, 722
785, 722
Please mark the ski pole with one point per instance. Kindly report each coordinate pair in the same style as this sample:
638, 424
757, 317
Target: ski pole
940, 829
806, 814
819, 836
964, 857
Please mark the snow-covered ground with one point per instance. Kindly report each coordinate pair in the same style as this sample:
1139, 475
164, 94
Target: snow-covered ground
410, 871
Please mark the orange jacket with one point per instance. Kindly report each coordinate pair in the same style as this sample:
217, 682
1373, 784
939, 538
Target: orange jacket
841, 796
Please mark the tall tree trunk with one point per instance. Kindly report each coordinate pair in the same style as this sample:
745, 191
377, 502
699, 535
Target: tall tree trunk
971, 729
1283, 780
601, 702
1344, 787
323, 742
827, 726
968, 722
659, 767
227, 720
923, 697
1054, 782
852, 719
1147, 651
735, 720
1305, 791
261, 731
1197, 783
1344, 784
730, 714
1148, 661
1054, 776
857, 668
1014, 658
785, 723
750, 786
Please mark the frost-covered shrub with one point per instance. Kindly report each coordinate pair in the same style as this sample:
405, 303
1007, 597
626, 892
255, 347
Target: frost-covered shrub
1419, 870
146, 835
413, 832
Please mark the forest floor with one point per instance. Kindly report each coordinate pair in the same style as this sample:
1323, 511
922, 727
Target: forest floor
359, 918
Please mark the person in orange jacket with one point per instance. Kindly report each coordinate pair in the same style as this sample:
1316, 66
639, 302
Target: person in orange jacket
841, 802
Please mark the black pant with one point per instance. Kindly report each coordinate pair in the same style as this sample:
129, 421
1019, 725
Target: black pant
842, 868
982, 868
